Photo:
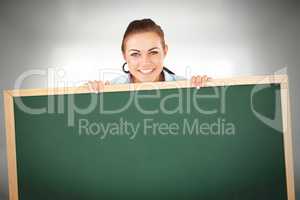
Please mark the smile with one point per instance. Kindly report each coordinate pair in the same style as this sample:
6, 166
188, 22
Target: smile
146, 71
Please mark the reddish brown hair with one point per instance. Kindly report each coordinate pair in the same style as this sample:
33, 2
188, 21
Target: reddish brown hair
141, 26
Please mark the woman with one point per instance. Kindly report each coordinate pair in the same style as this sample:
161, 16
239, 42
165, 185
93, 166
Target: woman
144, 50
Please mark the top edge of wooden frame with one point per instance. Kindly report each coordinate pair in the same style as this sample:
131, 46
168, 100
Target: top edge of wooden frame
245, 80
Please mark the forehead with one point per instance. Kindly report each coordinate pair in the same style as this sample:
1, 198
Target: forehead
143, 41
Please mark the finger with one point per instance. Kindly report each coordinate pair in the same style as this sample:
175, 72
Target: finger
199, 82
208, 79
204, 80
198, 79
89, 84
95, 89
193, 80
100, 86
97, 86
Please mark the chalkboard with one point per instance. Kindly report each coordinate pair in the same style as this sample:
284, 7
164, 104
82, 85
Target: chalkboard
224, 141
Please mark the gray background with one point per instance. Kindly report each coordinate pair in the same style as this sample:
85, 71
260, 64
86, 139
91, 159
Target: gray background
221, 38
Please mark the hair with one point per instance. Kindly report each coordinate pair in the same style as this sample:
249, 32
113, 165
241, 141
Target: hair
141, 26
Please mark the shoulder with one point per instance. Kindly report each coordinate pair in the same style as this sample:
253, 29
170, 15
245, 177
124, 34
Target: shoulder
122, 79
173, 77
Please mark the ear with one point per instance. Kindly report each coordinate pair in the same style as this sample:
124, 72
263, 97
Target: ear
124, 56
166, 49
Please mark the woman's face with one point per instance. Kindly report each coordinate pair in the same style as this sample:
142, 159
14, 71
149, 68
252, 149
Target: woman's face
145, 54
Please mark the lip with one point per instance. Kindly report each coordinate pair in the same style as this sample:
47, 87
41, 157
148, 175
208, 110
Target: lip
146, 71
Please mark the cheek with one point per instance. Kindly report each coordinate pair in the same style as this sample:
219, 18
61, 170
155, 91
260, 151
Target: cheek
133, 65
132, 62
158, 60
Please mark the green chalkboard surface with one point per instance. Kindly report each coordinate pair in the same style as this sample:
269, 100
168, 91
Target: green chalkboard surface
211, 143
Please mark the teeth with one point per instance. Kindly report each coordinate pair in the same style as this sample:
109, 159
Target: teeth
146, 71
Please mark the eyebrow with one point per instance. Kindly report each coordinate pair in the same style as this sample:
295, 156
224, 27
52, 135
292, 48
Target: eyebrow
140, 51
134, 50
153, 48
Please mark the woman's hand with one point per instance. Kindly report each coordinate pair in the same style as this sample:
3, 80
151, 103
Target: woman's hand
97, 86
199, 81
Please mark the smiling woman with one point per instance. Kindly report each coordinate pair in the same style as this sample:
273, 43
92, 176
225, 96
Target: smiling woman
144, 50
144, 54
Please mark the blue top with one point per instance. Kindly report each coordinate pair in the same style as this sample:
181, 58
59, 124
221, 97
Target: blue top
126, 78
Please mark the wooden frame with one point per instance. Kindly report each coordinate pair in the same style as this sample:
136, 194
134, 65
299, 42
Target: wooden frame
280, 79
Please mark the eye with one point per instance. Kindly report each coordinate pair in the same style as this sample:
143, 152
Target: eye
154, 52
134, 54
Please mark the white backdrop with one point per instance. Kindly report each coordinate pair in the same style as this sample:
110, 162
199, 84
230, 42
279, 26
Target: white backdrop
73, 41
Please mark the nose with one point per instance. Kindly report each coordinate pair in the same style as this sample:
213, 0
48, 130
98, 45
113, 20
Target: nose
145, 60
